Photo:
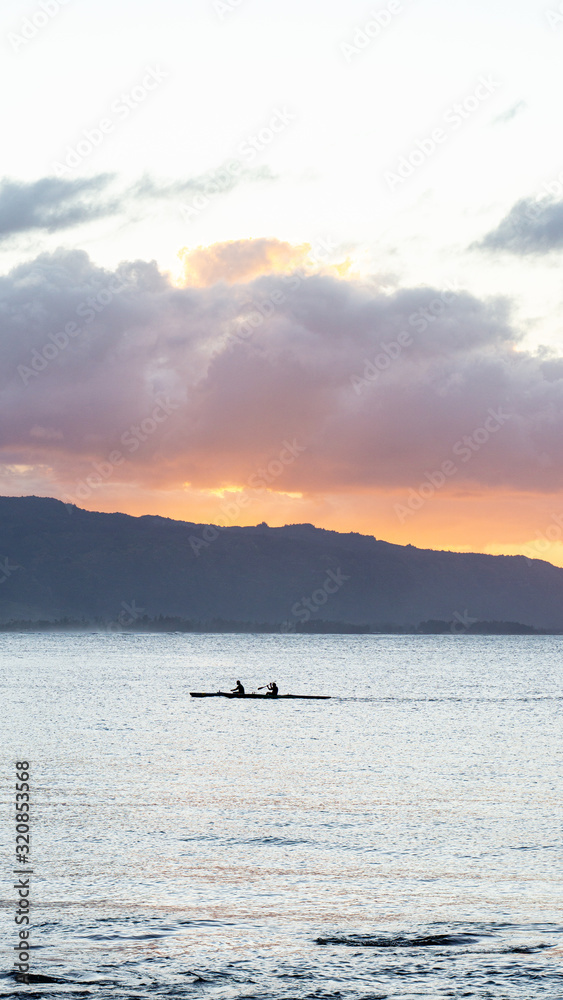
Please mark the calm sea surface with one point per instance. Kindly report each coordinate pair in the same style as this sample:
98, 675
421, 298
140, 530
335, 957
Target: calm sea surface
401, 840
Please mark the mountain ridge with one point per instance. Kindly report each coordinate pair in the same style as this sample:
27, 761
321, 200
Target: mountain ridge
61, 561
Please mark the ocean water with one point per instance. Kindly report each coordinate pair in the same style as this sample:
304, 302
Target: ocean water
402, 840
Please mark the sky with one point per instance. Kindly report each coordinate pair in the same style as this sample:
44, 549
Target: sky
287, 262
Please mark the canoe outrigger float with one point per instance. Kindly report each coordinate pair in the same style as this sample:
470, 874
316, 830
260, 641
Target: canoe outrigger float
261, 697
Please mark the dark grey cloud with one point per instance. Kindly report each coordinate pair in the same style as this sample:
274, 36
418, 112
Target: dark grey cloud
52, 204
532, 226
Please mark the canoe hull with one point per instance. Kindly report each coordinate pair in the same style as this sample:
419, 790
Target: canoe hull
260, 697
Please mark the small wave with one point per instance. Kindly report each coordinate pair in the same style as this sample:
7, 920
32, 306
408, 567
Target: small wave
277, 841
32, 977
444, 699
123, 937
400, 941
527, 950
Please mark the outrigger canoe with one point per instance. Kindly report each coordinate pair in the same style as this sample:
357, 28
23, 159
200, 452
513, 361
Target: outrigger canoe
266, 697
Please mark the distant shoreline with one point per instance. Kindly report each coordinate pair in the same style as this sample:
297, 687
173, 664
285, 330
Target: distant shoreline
168, 625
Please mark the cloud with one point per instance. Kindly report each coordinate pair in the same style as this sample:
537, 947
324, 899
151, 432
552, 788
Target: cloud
531, 227
376, 389
510, 113
51, 204
241, 260
222, 180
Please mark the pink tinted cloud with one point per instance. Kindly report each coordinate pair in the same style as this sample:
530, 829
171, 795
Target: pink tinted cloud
377, 389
